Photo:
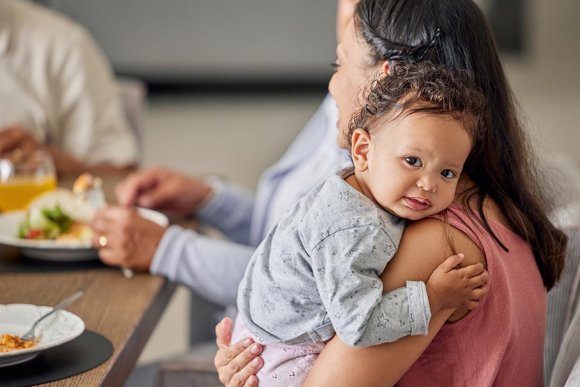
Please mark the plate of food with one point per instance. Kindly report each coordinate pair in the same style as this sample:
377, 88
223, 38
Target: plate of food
15, 319
55, 227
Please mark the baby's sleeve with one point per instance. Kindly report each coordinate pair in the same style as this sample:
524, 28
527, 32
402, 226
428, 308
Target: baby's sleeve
347, 266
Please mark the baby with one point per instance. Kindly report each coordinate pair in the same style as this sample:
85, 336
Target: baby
317, 272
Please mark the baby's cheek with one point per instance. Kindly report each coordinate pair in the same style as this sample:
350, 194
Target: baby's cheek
443, 203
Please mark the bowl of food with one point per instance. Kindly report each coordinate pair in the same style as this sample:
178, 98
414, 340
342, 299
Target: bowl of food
16, 319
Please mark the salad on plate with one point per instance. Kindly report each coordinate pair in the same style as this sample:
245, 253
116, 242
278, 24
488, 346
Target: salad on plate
61, 215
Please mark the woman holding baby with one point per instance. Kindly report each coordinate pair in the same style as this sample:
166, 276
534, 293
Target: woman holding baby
499, 218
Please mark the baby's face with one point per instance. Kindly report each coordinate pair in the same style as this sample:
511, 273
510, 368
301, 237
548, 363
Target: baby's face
413, 164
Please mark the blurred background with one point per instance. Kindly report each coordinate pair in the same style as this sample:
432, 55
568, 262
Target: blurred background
230, 83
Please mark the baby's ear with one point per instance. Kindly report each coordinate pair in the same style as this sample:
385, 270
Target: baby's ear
386, 69
361, 141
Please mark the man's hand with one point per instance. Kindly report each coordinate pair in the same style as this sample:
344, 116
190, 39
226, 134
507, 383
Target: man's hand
16, 137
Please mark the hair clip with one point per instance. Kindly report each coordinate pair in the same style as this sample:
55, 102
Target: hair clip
420, 51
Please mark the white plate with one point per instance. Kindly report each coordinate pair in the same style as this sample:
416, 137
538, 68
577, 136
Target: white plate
51, 250
55, 330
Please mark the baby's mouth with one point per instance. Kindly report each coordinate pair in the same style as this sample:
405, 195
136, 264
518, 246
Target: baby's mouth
417, 204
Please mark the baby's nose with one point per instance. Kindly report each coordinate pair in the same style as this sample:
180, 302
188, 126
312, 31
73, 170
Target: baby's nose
427, 184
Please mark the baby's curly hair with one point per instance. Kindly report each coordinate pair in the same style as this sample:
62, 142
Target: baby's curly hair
423, 87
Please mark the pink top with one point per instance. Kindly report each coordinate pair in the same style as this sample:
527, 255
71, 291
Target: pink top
500, 343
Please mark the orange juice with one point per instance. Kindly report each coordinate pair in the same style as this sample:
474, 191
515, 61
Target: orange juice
16, 193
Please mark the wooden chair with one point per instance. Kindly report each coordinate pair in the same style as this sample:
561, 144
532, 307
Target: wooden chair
195, 369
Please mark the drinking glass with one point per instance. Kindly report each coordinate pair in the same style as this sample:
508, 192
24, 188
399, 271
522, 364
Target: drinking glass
24, 176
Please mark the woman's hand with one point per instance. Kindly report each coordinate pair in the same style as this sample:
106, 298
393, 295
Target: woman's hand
162, 189
237, 364
124, 238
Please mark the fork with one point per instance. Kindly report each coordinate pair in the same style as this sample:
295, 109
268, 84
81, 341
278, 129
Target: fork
61, 305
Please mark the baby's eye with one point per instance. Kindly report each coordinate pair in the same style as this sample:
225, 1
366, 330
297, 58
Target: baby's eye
413, 161
335, 66
448, 174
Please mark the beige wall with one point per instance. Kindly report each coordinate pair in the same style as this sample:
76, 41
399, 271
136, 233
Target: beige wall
547, 81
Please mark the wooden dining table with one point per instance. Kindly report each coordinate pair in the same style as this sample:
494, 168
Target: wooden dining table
124, 310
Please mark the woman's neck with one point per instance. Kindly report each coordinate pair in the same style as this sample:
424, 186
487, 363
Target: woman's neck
490, 208
464, 186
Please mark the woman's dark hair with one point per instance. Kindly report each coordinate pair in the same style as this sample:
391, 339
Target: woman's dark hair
422, 88
454, 33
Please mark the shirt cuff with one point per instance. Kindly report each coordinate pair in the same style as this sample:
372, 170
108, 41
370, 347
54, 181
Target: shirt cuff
164, 261
216, 187
419, 310
213, 202
224, 201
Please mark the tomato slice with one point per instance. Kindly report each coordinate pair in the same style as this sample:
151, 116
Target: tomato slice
34, 234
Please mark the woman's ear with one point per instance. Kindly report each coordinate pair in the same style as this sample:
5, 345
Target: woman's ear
361, 141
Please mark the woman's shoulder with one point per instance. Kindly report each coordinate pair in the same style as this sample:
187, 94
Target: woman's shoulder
423, 247
439, 239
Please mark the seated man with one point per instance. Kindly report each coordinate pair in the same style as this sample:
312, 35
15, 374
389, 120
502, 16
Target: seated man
57, 92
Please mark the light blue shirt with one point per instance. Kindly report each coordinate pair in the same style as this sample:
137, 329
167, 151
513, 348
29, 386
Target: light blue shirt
317, 273
214, 268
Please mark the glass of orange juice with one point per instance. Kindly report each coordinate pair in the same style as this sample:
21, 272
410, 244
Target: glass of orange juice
23, 177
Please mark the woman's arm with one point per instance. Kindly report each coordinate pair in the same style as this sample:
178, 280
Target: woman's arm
380, 365
423, 247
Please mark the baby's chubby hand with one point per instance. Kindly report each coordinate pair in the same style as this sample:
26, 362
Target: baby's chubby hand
450, 287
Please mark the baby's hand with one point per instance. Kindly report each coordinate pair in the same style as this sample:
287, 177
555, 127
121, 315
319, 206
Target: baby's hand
449, 287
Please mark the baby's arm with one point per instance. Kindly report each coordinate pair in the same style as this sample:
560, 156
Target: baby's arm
346, 267
450, 287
